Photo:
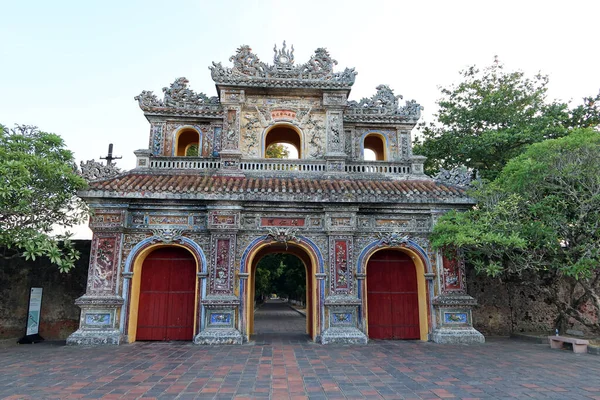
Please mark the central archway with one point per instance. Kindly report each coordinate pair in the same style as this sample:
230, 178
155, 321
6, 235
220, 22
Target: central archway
310, 256
283, 132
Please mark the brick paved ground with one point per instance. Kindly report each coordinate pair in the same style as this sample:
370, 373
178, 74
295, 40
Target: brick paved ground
499, 369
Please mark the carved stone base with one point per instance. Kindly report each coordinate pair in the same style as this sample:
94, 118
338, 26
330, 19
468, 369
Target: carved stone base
82, 337
466, 335
339, 335
219, 336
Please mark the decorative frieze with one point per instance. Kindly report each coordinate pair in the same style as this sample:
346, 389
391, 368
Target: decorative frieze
222, 258
157, 138
340, 261
282, 221
335, 136
224, 219
104, 260
107, 219
453, 272
340, 222
157, 220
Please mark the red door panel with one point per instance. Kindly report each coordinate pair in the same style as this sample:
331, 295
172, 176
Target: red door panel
167, 294
392, 296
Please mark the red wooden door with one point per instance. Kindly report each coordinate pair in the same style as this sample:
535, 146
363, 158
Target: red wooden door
392, 296
167, 293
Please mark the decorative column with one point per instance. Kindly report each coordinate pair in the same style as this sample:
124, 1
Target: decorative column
221, 304
453, 306
102, 302
342, 302
335, 157
231, 154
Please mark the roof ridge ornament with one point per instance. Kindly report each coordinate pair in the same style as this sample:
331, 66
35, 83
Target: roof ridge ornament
248, 70
384, 103
283, 59
93, 170
177, 96
457, 176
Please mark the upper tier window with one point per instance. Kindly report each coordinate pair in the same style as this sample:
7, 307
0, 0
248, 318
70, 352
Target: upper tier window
374, 147
187, 143
283, 142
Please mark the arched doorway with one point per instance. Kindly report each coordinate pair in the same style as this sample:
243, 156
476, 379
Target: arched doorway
392, 296
282, 134
310, 263
167, 295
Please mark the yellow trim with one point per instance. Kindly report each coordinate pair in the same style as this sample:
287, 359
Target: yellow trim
383, 142
301, 152
250, 290
421, 290
134, 297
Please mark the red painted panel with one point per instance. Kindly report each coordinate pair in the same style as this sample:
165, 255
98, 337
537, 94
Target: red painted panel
392, 296
167, 293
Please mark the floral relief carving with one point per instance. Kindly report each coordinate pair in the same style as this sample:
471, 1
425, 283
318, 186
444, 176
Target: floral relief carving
340, 261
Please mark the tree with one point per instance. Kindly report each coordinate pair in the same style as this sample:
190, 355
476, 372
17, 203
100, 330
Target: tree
38, 186
283, 274
277, 150
492, 115
542, 215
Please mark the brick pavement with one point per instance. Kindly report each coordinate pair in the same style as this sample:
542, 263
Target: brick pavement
499, 369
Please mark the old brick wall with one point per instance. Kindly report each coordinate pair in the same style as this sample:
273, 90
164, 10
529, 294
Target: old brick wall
59, 316
511, 307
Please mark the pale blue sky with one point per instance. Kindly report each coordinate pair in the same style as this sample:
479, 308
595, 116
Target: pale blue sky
73, 67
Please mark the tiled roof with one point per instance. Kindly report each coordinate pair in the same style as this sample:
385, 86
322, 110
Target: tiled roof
240, 187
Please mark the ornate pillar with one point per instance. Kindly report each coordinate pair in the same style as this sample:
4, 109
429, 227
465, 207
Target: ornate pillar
342, 302
334, 103
231, 154
452, 305
101, 303
220, 303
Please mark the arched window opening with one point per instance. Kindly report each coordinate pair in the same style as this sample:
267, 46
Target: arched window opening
283, 142
375, 144
188, 141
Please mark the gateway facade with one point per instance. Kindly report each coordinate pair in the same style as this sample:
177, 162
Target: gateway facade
177, 239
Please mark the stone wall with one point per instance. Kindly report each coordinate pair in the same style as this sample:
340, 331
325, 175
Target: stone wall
59, 314
515, 306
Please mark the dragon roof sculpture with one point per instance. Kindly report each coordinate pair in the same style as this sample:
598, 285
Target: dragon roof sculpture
248, 70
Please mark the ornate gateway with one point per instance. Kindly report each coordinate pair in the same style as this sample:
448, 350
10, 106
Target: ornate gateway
206, 192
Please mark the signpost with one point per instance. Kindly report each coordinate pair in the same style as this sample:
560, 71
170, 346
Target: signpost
33, 317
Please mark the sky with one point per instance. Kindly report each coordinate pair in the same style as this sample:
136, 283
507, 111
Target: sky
74, 67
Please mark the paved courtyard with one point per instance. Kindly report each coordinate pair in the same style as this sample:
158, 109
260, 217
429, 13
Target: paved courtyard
284, 369
276, 321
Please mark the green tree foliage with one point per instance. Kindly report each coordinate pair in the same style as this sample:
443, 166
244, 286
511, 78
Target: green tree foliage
277, 150
283, 274
541, 214
38, 186
492, 115
192, 151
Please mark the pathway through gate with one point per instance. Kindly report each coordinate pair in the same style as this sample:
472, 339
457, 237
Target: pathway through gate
277, 321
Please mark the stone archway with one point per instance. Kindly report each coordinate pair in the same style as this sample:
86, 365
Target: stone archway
310, 256
167, 294
132, 280
422, 265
